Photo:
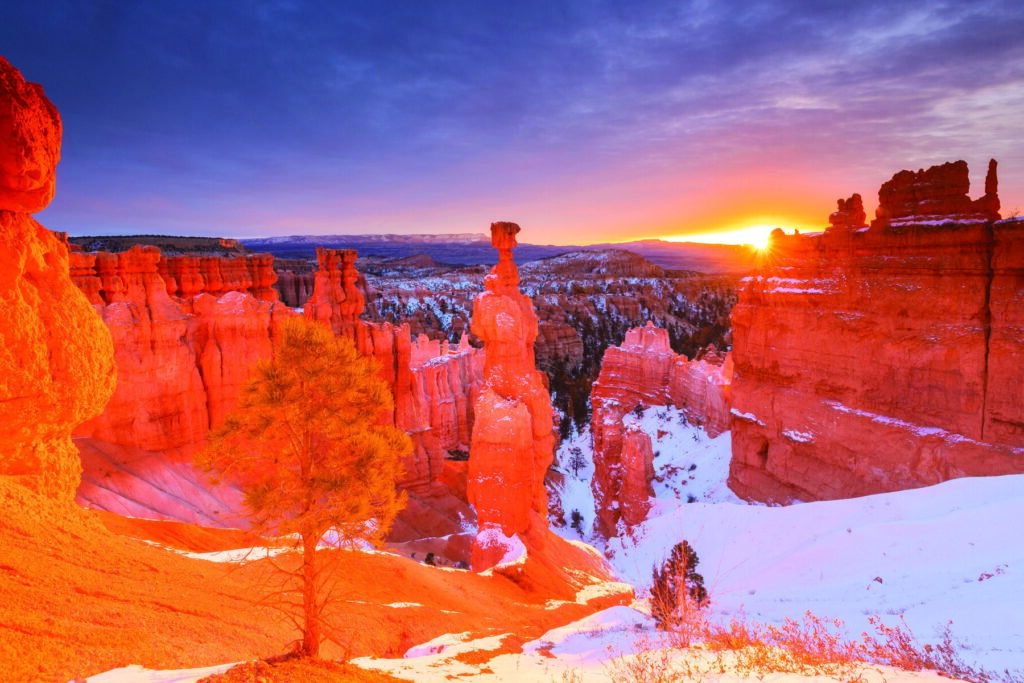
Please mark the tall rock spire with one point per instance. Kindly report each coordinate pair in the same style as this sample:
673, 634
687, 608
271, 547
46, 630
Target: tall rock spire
513, 436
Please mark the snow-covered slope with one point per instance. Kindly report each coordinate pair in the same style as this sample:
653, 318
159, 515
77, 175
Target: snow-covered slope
947, 552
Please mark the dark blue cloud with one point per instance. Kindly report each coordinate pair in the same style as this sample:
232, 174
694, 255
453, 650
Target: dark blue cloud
233, 117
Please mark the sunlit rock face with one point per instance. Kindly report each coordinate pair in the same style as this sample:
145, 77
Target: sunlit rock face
187, 276
513, 433
936, 194
56, 357
434, 383
187, 332
337, 300
644, 372
871, 360
182, 362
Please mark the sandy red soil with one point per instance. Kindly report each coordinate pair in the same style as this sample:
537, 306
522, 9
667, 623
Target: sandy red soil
80, 593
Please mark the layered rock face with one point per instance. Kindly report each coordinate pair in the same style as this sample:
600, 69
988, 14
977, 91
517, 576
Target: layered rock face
182, 362
871, 360
295, 281
644, 372
337, 300
936, 194
186, 276
513, 433
435, 387
56, 357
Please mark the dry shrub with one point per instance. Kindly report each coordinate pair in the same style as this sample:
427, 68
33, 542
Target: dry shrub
657, 663
898, 647
810, 646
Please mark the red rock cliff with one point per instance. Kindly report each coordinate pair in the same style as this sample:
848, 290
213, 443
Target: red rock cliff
513, 434
184, 358
56, 357
644, 372
186, 276
181, 364
872, 360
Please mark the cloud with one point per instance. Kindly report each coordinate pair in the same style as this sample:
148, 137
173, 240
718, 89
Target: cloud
462, 102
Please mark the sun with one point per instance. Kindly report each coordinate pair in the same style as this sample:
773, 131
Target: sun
756, 236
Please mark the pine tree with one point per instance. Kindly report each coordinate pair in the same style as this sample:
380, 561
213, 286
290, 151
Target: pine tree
311, 454
677, 590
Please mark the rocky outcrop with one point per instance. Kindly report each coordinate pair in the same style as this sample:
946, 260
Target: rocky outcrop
30, 132
337, 300
849, 213
936, 194
56, 357
878, 359
645, 372
181, 365
513, 432
296, 279
558, 346
186, 276
636, 474
187, 331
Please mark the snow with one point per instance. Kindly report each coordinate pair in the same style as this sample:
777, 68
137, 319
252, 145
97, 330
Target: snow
799, 437
514, 549
749, 417
949, 552
938, 553
135, 673
588, 651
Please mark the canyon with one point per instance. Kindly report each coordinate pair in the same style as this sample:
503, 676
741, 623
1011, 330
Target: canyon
871, 359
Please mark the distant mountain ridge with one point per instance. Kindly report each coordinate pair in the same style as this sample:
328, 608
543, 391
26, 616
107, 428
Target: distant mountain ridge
475, 249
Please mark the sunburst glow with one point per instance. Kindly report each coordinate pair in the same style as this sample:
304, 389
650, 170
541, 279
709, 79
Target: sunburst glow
754, 235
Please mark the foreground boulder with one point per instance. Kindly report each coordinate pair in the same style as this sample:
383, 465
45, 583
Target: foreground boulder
883, 358
56, 357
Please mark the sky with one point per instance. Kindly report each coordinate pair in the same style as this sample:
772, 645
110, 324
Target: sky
584, 121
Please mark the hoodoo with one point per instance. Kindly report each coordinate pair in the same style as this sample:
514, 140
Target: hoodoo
513, 433
56, 357
644, 372
883, 358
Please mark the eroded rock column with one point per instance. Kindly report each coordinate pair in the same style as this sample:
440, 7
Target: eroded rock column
513, 441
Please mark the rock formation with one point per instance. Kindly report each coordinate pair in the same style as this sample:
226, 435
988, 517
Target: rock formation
56, 358
849, 213
337, 300
435, 387
296, 279
645, 372
182, 361
878, 359
936, 194
186, 276
184, 358
513, 433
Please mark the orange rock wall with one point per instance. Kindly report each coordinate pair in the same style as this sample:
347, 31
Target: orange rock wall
644, 371
56, 357
183, 362
186, 276
871, 360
